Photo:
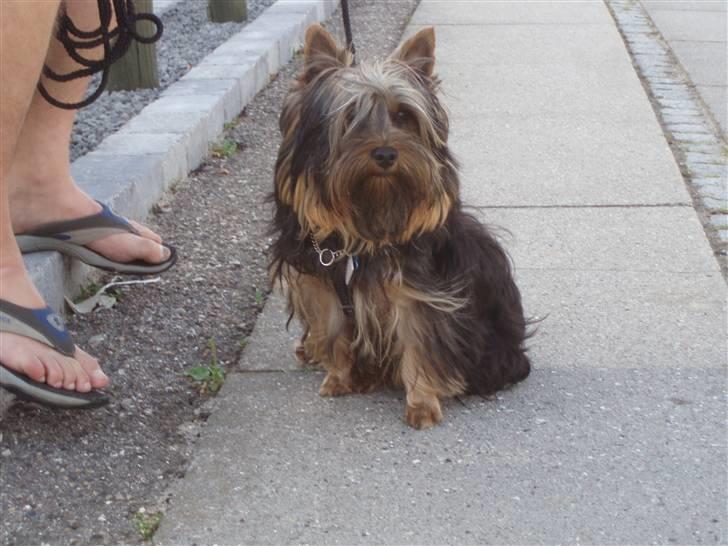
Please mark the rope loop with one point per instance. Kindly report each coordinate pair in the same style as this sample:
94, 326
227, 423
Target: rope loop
115, 43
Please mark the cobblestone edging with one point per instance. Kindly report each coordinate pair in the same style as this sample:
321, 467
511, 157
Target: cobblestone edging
693, 134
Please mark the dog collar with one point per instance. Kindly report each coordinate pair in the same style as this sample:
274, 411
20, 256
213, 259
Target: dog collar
341, 276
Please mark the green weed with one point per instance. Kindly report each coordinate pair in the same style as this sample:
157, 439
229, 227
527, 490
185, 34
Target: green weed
92, 288
225, 148
87, 291
147, 523
209, 377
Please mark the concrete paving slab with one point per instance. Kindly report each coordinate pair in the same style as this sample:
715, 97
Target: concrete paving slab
698, 25
630, 239
716, 99
624, 319
563, 160
539, 90
591, 46
509, 13
705, 62
271, 346
686, 5
570, 456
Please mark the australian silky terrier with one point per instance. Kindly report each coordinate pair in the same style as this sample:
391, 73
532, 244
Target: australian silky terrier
393, 282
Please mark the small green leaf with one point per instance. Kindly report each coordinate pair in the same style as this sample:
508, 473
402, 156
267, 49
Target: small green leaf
199, 373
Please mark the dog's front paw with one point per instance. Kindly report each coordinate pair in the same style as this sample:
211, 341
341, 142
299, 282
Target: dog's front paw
423, 416
333, 385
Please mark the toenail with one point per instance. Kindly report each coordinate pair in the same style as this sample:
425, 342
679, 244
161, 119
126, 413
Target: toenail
85, 386
99, 375
57, 384
166, 253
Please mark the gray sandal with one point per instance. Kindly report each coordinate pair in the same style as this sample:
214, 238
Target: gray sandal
70, 237
46, 326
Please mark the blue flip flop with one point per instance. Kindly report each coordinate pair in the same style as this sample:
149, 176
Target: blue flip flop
46, 326
70, 237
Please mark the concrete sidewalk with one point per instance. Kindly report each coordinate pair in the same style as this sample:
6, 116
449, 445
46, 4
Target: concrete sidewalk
698, 34
618, 436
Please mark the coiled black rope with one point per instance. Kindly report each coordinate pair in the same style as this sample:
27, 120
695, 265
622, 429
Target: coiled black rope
75, 40
347, 29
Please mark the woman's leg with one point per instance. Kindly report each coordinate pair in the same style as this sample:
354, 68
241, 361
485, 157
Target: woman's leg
41, 188
25, 29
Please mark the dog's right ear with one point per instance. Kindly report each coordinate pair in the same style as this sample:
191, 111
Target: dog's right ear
321, 52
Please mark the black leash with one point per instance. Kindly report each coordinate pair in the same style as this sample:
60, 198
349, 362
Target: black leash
75, 40
347, 29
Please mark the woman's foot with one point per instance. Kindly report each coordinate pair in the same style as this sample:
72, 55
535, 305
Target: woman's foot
31, 208
34, 359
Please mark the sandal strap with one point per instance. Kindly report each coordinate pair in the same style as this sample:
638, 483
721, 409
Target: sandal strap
44, 325
87, 229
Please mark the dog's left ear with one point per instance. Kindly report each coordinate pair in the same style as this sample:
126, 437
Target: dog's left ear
419, 51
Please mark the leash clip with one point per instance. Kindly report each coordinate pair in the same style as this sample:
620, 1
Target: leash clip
329, 259
326, 256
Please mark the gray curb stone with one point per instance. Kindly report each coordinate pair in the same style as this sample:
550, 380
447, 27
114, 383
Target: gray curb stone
131, 169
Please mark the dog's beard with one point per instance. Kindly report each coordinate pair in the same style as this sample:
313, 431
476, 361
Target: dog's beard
381, 204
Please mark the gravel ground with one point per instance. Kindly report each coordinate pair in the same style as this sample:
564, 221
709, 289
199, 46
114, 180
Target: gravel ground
89, 478
188, 37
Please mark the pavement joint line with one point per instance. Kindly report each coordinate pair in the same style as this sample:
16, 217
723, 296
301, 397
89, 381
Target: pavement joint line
278, 370
603, 206
127, 176
529, 24
694, 136
615, 270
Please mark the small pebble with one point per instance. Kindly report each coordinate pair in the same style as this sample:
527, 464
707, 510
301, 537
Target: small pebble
96, 340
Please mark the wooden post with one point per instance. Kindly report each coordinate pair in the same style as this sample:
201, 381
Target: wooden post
137, 69
224, 11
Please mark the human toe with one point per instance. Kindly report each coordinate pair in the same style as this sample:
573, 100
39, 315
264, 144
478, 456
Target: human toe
145, 232
90, 365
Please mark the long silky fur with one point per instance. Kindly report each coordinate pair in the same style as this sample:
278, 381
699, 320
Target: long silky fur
433, 277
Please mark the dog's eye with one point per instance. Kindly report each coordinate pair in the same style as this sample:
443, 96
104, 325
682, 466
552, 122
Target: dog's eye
402, 117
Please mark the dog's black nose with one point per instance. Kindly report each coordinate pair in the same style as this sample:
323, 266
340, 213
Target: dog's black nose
385, 156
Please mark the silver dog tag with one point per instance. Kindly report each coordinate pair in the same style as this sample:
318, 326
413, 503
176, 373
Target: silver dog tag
349, 269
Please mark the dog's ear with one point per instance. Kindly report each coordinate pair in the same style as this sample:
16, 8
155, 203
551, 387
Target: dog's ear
419, 51
320, 51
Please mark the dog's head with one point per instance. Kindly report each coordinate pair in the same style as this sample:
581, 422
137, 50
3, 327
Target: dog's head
364, 152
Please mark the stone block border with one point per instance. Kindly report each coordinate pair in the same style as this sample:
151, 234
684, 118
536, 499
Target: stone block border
131, 169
